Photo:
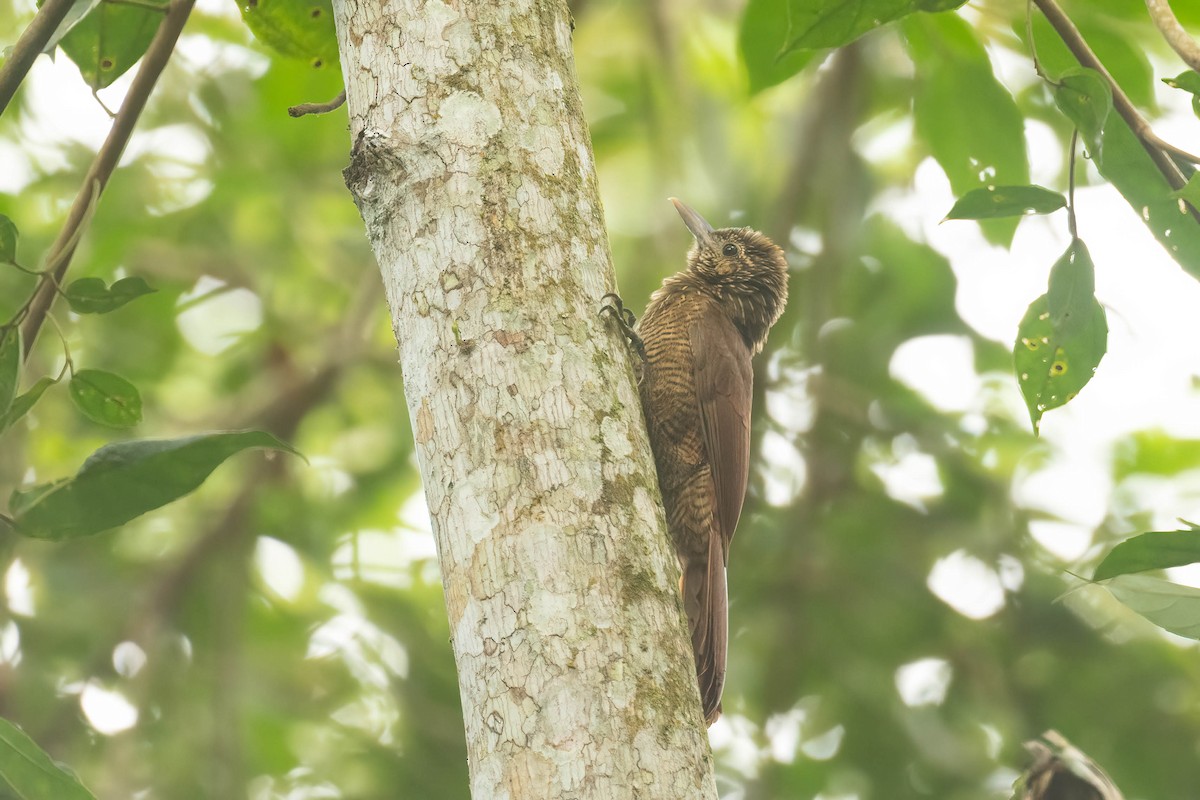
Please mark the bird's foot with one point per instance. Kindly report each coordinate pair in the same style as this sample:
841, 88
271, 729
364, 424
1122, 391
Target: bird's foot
612, 306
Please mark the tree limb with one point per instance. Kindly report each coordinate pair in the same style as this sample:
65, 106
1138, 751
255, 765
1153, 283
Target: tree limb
59, 257
318, 108
1168, 25
1160, 152
32, 42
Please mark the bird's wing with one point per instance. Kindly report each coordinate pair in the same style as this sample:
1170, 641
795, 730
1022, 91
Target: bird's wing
724, 387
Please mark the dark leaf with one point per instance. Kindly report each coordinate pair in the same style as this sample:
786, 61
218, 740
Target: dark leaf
1006, 201
124, 480
111, 39
91, 296
106, 398
1156, 550
30, 774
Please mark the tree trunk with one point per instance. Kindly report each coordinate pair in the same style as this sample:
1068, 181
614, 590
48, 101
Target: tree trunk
473, 170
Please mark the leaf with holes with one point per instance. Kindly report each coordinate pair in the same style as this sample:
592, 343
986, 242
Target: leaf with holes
91, 296
1006, 201
8, 240
24, 402
295, 28
1170, 606
106, 398
124, 480
1155, 550
1053, 366
1086, 99
29, 774
111, 39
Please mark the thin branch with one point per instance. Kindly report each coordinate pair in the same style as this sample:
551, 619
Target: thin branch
32, 42
103, 165
318, 108
1168, 25
1158, 150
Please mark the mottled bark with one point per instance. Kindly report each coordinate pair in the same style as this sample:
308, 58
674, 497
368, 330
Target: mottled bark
473, 169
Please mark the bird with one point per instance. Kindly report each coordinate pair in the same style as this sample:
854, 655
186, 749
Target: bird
696, 340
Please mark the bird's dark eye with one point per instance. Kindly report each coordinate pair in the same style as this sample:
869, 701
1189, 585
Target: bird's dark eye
729, 250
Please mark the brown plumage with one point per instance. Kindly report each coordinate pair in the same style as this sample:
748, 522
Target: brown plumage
697, 337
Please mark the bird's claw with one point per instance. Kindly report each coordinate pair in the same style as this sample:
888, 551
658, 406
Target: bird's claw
612, 306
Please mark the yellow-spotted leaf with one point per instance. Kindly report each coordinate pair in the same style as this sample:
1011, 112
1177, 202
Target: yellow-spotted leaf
295, 28
111, 39
1052, 366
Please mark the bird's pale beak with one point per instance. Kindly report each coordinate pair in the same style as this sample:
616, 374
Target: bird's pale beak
696, 224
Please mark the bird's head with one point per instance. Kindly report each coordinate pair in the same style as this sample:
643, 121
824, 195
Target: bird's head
745, 268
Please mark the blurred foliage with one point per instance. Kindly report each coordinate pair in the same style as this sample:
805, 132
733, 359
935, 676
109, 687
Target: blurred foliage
280, 633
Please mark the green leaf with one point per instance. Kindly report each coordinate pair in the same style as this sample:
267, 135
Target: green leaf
762, 40
1170, 606
1156, 550
111, 39
1006, 201
10, 365
820, 24
1121, 54
1190, 192
124, 480
1119, 156
1052, 365
91, 296
1072, 290
1188, 81
31, 774
8, 240
295, 28
106, 398
1086, 98
966, 117
24, 402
